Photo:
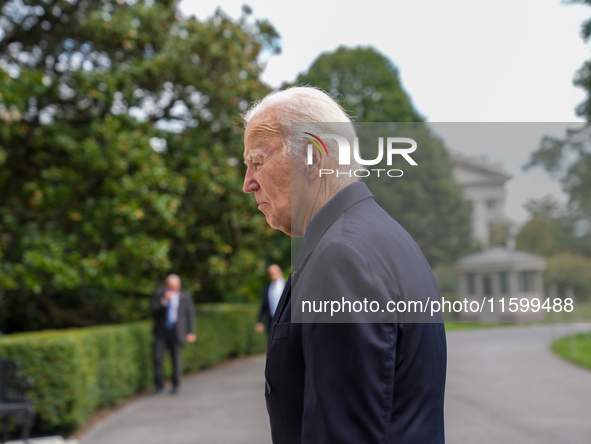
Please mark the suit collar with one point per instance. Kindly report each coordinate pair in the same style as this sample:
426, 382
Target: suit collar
315, 219
344, 200
348, 197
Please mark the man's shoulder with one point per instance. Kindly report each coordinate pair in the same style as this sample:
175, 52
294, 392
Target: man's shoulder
368, 236
366, 225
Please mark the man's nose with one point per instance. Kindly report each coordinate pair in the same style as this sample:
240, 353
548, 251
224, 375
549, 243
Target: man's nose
250, 185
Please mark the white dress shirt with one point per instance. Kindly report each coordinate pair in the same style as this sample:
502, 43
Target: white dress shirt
275, 291
172, 311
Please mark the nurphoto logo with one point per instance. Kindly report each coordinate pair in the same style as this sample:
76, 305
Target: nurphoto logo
393, 148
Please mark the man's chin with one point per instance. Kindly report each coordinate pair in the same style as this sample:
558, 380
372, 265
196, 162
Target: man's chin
276, 225
271, 221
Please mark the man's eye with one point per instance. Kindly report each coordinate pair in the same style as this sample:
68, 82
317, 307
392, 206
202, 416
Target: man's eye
256, 165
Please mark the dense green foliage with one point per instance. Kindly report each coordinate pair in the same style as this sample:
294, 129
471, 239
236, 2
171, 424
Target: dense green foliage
120, 149
536, 236
583, 76
569, 159
567, 269
551, 229
365, 81
76, 371
551, 232
565, 236
427, 201
576, 348
546, 236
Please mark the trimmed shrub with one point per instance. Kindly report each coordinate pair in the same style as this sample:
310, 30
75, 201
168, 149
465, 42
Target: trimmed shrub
76, 371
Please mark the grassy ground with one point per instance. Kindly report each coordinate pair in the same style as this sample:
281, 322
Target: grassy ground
575, 348
580, 313
450, 326
583, 310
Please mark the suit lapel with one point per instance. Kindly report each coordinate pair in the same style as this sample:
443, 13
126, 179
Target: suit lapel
349, 197
283, 300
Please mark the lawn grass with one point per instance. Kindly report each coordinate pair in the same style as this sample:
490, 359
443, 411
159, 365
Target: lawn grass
575, 348
580, 313
583, 310
453, 326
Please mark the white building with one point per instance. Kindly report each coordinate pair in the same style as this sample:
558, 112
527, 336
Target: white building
502, 273
483, 182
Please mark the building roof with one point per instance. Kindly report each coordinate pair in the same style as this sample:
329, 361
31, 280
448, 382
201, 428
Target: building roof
499, 255
477, 170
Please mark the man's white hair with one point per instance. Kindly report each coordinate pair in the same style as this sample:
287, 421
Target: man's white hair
305, 104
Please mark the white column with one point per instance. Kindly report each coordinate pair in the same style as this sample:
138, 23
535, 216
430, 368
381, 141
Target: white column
480, 221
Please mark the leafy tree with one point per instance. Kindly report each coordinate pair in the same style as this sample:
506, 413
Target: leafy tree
499, 233
119, 158
366, 81
567, 269
583, 76
536, 236
426, 201
551, 229
569, 158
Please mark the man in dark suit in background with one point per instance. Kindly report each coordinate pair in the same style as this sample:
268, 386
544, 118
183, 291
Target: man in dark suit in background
174, 323
346, 383
271, 295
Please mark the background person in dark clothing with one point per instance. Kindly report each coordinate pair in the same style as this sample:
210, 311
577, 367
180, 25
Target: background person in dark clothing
271, 295
174, 323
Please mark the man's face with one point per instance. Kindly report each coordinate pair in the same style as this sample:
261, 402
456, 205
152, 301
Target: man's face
173, 283
274, 272
269, 171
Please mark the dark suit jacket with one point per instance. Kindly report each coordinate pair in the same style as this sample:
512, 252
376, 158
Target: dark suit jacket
185, 323
265, 308
356, 383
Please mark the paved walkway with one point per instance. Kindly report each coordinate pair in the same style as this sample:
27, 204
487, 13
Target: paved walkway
223, 405
504, 386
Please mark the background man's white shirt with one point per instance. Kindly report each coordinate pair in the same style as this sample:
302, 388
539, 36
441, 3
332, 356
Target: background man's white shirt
173, 310
275, 291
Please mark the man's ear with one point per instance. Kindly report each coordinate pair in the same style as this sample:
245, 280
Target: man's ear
314, 162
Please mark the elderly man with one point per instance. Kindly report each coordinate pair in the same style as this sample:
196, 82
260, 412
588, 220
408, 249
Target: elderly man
174, 323
357, 382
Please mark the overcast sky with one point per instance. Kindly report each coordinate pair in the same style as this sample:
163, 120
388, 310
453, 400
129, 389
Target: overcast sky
459, 61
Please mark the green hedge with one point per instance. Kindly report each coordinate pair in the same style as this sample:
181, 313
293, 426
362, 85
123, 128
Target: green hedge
76, 371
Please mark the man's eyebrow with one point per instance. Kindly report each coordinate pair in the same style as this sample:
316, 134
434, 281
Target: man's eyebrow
253, 156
